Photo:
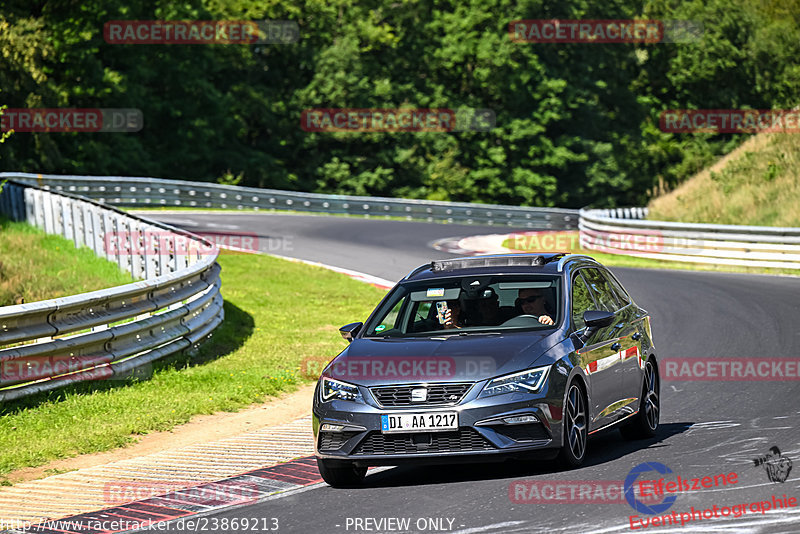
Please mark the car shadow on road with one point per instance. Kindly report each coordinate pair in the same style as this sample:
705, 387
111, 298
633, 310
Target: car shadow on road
603, 448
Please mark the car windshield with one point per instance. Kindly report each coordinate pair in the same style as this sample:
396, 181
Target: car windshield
464, 305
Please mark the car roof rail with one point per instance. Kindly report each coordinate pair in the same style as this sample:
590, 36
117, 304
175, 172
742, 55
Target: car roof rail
570, 257
555, 257
494, 260
417, 270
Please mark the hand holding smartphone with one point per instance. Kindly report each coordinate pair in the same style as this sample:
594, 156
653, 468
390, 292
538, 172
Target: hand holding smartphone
441, 310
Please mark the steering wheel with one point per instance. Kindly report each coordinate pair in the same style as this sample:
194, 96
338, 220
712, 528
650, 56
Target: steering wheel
525, 320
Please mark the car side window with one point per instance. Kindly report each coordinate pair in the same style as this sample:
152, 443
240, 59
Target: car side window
622, 295
390, 322
602, 290
581, 301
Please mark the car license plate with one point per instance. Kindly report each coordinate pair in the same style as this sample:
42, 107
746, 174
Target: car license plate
419, 422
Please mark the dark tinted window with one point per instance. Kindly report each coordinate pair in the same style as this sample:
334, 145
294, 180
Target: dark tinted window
581, 301
602, 290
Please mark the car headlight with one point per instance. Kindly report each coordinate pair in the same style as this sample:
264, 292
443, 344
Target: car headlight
528, 381
334, 389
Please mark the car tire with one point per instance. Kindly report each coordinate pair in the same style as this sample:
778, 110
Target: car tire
644, 424
575, 426
339, 474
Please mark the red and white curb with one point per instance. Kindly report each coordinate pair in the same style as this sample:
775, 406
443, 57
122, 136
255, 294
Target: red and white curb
475, 245
239, 490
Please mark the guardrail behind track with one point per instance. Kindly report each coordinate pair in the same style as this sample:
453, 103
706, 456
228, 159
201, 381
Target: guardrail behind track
152, 192
622, 231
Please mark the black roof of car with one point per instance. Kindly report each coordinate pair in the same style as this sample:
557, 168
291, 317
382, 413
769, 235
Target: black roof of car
496, 264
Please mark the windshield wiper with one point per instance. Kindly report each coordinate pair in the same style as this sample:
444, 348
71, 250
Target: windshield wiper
479, 333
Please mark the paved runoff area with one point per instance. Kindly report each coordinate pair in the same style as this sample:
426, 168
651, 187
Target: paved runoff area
166, 485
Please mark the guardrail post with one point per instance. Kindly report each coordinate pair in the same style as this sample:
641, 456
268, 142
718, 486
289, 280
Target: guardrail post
98, 237
30, 205
166, 247
138, 251
17, 203
78, 230
151, 235
65, 214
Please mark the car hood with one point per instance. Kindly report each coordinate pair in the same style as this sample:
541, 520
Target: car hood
370, 362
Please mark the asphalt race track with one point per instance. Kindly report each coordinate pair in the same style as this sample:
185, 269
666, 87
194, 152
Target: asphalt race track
707, 427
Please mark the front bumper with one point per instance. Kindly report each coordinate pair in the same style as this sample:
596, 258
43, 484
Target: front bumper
482, 433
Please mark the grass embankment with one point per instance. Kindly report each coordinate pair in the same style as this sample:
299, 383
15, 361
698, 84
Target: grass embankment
36, 266
569, 242
756, 184
278, 316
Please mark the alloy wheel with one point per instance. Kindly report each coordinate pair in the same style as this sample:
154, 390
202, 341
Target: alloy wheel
652, 404
576, 422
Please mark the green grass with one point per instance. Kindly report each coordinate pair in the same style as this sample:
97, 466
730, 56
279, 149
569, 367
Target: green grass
280, 327
36, 266
569, 242
756, 184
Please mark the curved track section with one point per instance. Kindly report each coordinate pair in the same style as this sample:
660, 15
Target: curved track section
708, 427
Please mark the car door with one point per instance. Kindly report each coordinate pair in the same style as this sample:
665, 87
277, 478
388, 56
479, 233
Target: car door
620, 347
639, 321
595, 353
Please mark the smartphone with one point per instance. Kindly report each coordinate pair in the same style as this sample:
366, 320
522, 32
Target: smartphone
441, 309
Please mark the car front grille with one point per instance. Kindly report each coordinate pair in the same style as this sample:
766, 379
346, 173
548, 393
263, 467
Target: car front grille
441, 394
462, 440
333, 441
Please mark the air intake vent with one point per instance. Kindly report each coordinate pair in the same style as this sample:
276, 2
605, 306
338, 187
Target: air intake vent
463, 440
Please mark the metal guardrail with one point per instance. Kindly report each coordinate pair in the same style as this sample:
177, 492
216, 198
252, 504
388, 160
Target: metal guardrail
151, 192
106, 334
622, 231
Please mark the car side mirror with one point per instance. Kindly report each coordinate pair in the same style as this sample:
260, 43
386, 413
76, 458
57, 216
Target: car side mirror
594, 320
597, 319
349, 331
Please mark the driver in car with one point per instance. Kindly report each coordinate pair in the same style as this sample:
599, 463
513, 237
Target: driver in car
532, 302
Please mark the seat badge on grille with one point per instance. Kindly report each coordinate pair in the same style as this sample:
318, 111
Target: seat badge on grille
419, 395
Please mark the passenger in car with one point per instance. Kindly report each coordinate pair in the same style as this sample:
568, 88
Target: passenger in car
452, 317
533, 301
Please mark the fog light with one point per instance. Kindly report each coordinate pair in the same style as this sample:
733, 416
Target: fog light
520, 419
327, 427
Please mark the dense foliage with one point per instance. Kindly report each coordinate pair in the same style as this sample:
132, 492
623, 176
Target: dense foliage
577, 124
